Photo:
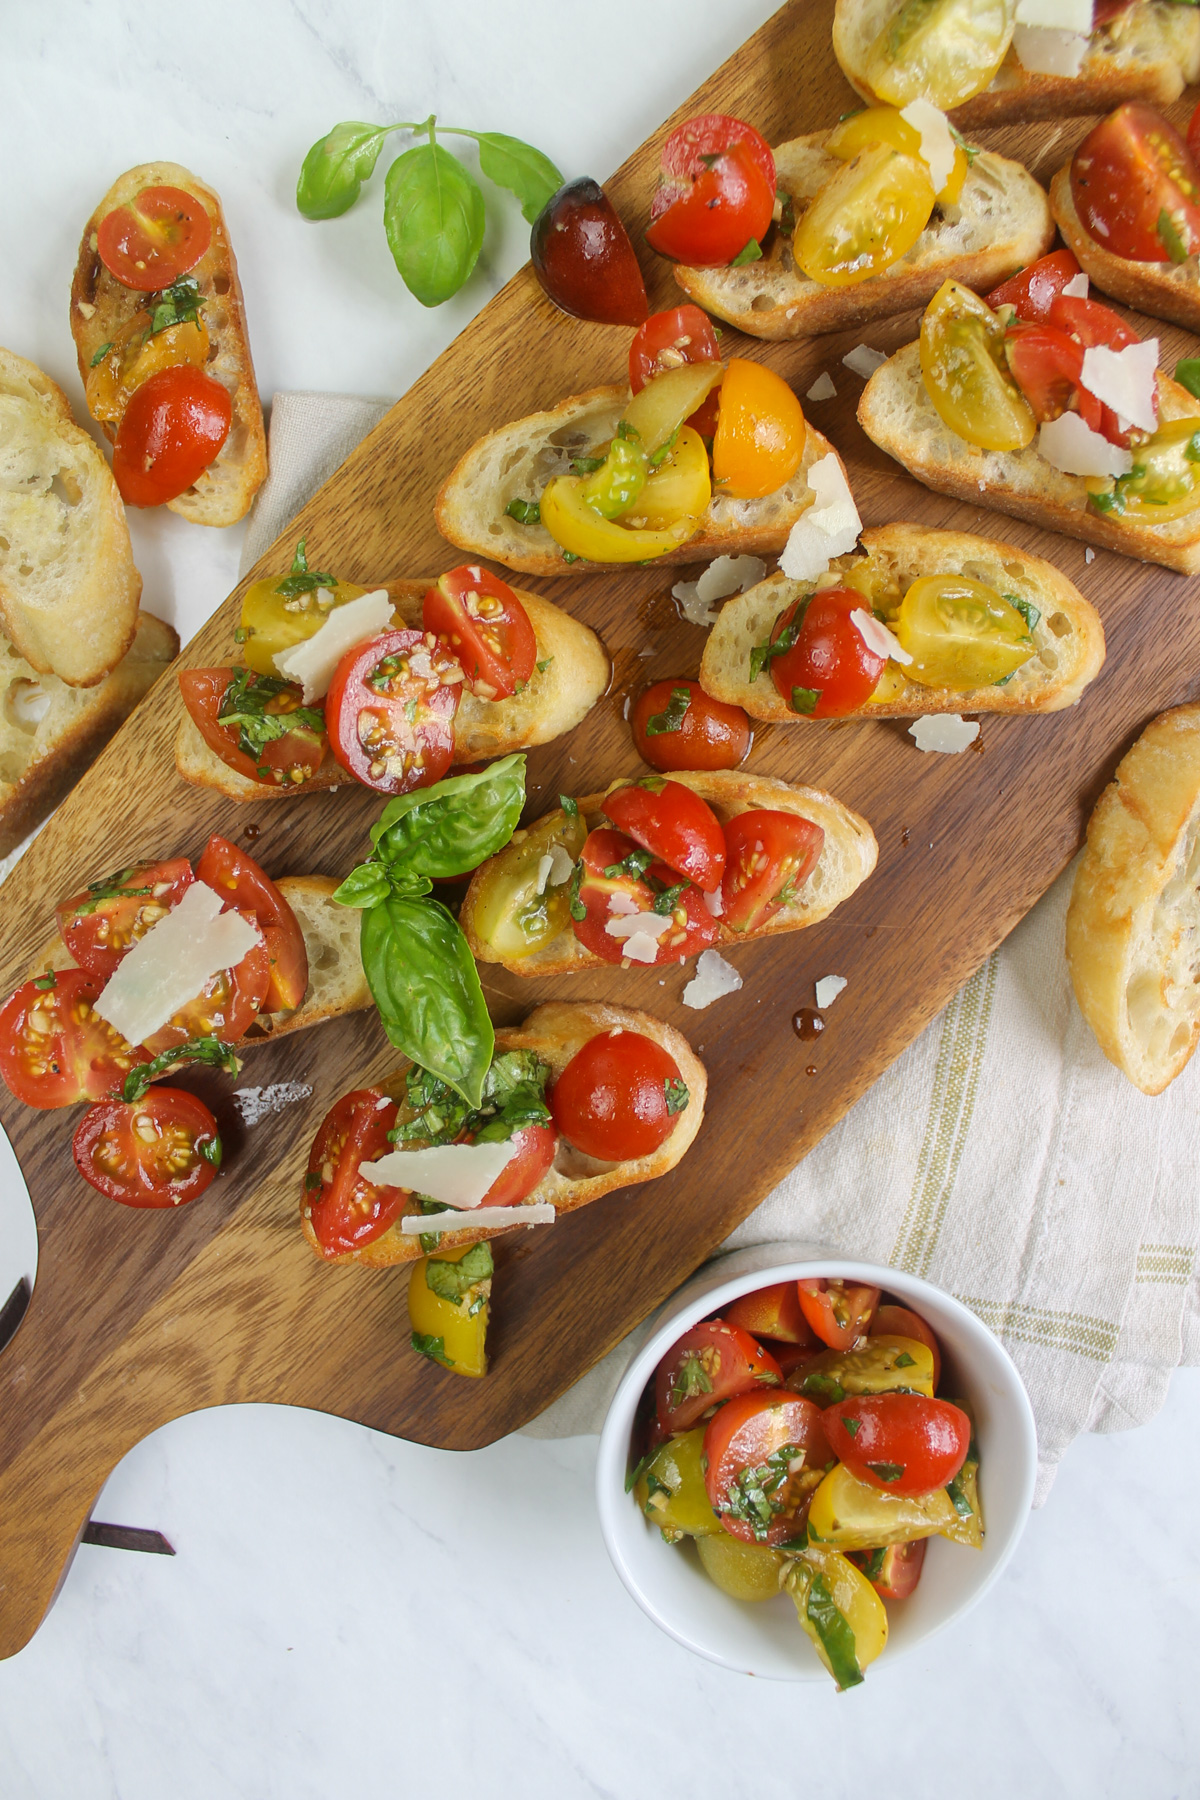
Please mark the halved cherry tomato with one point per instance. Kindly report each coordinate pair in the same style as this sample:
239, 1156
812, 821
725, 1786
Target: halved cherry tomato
1136, 187
1034, 291
839, 1312
1091, 322
162, 1151
344, 1209
154, 238
390, 711
712, 1362
618, 1097
900, 1321
583, 258
894, 1569
685, 929
100, 924
766, 1457
901, 1443
716, 191
536, 1146
676, 824
54, 1047
171, 430
827, 655
703, 734
761, 432
1193, 132
683, 334
768, 857
240, 882
1046, 365
486, 628
772, 1312
285, 761
229, 1004
865, 217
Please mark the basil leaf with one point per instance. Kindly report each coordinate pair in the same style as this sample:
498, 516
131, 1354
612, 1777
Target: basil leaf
1171, 238
514, 1095
673, 714
835, 1632
675, 1089
449, 828
367, 885
634, 1475
518, 167
804, 700
1028, 611
432, 1347
453, 1281
434, 218
525, 512
101, 353
569, 806
300, 579
245, 705
208, 1050
887, 1471
115, 887
1187, 374
179, 304
424, 981
332, 174
751, 253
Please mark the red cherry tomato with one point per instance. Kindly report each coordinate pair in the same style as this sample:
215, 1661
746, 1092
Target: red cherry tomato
893, 1570
1136, 187
716, 191
583, 258
154, 238
54, 1047
390, 711
485, 627
171, 430
712, 1362
759, 1448
1036, 288
772, 1312
686, 929
286, 761
1046, 365
100, 924
161, 1151
677, 825
899, 1321
828, 656
900, 1443
240, 882
768, 858
838, 1311
683, 334
344, 1209
706, 734
229, 1004
536, 1145
1193, 133
618, 1097
1090, 323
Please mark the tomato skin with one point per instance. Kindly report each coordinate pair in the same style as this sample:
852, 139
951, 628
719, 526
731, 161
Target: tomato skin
154, 238
289, 761
68, 1053
583, 258
767, 854
683, 333
241, 883
711, 735
162, 1151
1046, 365
99, 932
611, 1100
495, 643
900, 1321
171, 430
536, 1147
893, 1571
716, 191
829, 656
1034, 290
677, 825
693, 927
741, 1436
838, 1311
344, 1210
900, 1443
231, 1001
772, 1312
1127, 172
372, 689
712, 1362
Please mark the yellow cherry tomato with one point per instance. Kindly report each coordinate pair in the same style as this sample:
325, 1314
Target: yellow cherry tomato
132, 358
448, 1308
670, 1489
885, 1365
965, 374
883, 125
759, 443
1164, 482
679, 488
940, 50
743, 1571
581, 531
850, 1514
660, 408
960, 633
506, 910
865, 218
890, 685
273, 622
839, 1610
967, 1525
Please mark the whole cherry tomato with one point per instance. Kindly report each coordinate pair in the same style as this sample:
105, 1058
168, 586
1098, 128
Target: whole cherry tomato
1034, 290
838, 1311
619, 892
390, 711
55, 1048
828, 669
100, 924
667, 339
154, 238
902, 1443
619, 1096
679, 827
583, 258
766, 1455
286, 761
716, 191
486, 628
171, 430
163, 1150
676, 725
712, 1362
240, 882
344, 1209
1136, 187
759, 443
769, 856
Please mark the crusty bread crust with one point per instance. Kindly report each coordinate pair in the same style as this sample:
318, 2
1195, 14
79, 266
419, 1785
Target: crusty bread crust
1167, 290
1001, 222
896, 412
558, 697
100, 305
557, 1031
518, 460
847, 858
1133, 924
1069, 637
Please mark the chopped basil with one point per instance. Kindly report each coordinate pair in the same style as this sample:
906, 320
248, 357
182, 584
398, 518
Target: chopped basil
675, 1089
635, 1474
569, 556
544, 664
673, 714
691, 1380
46, 981
115, 887
312, 1181
664, 450
1187, 374
754, 1496
904, 1361
835, 1632
453, 1281
1171, 238
514, 1095
243, 632
853, 1426
569, 806
587, 465
578, 909
101, 353
653, 784
763, 654
1107, 503
525, 512
872, 1567
302, 579
752, 252
208, 1050
804, 700
210, 1149
818, 1385
1028, 611
245, 705
962, 1505
667, 898
633, 866
432, 1347
179, 304
887, 1471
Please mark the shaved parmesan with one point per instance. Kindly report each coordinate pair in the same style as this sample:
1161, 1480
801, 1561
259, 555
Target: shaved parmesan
714, 978
1074, 448
1124, 380
822, 388
829, 528
864, 361
653, 924
173, 963
1041, 51
488, 1218
828, 989
313, 662
947, 732
459, 1174
715, 903
1058, 15
937, 146
641, 947
876, 636
553, 869
1077, 287
726, 575
621, 902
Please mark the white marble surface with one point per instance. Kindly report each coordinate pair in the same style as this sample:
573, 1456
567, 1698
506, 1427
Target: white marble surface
352, 1615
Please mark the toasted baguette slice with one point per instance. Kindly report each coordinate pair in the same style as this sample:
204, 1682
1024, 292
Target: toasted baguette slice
557, 1032
1133, 924
69, 590
896, 412
1148, 52
50, 733
1166, 290
1001, 222
517, 461
336, 983
847, 858
101, 305
1068, 637
556, 699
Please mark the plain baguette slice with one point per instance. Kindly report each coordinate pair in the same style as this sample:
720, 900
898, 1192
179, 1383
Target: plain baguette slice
847, 857
896, 412
557, 1031
69, 589
518, 460
1166, 290
1133, 924
50, 733
100, 305
1001, 222
1149, 52
1069, 637
557, 698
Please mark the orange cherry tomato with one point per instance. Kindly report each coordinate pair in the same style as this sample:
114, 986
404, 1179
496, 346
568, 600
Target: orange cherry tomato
716, 191
838, 1311
171, 430
712, 1362
702, 734
759, 442
485, 627
618, 1097
1136, 187
161, 1151
286, 761
621, 879
674, 823
344, 1209
759, 1448
154, 238
900, 1321
772, 1312
240, 882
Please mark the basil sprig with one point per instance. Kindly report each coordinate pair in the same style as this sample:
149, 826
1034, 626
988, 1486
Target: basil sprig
450, 828
300, 579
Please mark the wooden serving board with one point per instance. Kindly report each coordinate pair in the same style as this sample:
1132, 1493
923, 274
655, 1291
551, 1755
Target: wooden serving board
139, 1317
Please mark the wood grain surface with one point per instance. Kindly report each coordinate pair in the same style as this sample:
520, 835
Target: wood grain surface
139, 1317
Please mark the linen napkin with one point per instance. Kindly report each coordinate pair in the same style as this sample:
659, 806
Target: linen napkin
1000, 1157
